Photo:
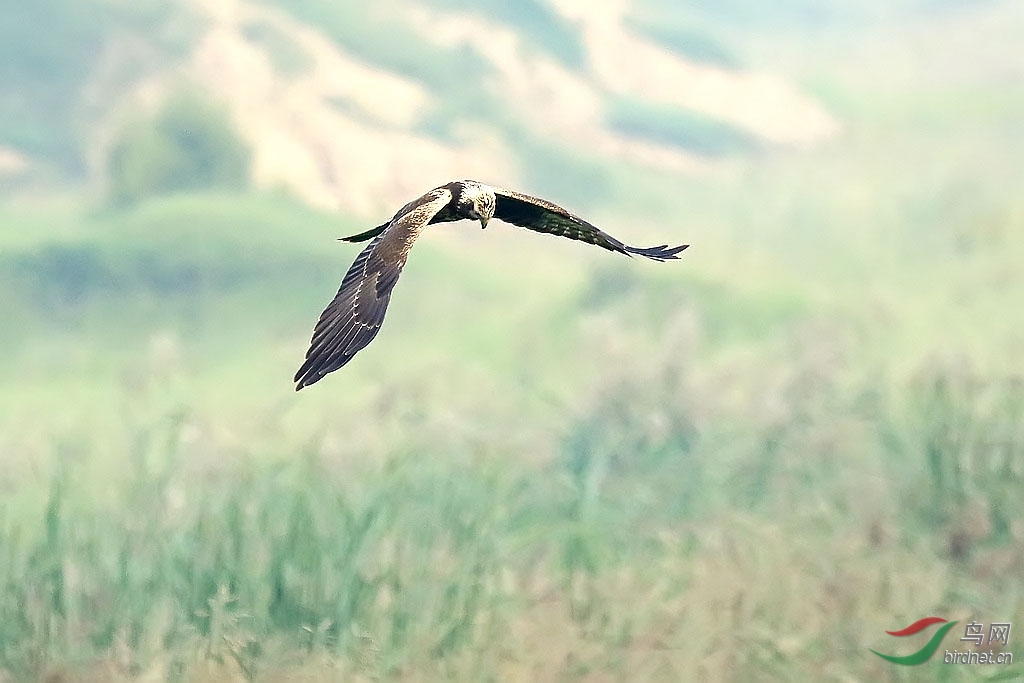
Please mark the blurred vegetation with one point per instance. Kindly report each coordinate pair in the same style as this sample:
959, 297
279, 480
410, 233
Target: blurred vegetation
686, 39
48, 49
375, 37
670, 125
181, 260
554, 463
532, 19
179, 516
189, 144
287, 57
575, 176
444, 550
801, 14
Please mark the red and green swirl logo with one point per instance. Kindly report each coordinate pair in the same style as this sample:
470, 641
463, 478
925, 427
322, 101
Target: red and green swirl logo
926, 652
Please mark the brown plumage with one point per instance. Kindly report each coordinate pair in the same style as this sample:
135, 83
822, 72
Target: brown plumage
354, 317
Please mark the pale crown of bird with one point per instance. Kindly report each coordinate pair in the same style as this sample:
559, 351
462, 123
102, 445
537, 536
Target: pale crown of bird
477, 201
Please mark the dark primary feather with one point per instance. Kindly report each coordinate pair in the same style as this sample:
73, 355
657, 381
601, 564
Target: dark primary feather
543, 216
352, 319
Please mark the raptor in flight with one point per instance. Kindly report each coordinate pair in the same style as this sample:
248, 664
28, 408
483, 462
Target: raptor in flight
352, 320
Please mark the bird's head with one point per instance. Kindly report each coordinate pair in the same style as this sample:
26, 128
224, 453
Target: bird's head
477, 202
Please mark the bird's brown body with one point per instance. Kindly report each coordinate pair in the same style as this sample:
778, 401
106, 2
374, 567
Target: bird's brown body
355, 315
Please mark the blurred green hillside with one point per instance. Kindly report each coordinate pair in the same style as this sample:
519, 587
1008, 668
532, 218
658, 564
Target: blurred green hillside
553, 463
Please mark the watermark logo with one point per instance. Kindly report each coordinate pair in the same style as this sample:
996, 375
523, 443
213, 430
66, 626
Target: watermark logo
998, 635
926, 652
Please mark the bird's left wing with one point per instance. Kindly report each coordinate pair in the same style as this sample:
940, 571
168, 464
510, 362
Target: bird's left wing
543, 216
353, 319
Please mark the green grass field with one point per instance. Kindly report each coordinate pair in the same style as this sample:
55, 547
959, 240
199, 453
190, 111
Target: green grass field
553, 464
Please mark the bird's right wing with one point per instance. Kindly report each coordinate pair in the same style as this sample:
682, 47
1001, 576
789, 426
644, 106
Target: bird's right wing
541, 215
354, 317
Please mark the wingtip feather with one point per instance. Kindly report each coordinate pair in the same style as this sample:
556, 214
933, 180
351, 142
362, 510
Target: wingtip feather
659, 253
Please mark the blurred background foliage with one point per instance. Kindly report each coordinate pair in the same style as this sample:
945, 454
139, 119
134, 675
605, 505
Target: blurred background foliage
188, 145
553, 464
669, 125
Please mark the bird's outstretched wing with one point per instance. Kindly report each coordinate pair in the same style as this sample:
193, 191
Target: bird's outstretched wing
543, 216
353, 319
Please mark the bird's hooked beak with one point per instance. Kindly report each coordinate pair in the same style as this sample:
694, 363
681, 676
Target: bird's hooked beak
483, 221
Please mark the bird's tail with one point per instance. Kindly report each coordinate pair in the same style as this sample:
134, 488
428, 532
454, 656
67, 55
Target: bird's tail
363, 236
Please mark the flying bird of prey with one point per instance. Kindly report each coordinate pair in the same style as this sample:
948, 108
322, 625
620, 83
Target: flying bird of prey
354, 317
